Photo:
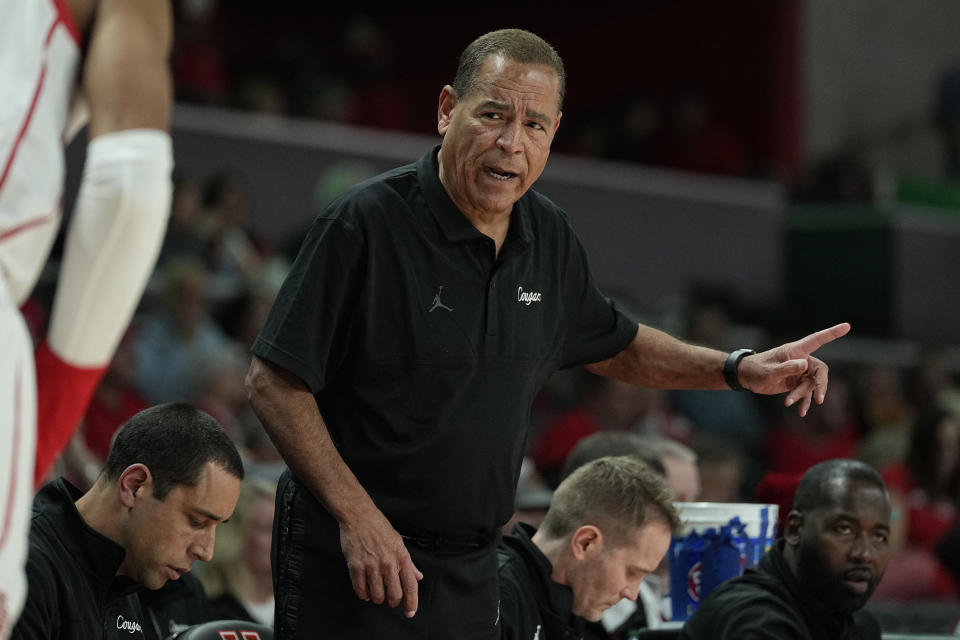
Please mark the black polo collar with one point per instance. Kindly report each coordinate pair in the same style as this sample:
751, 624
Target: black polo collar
456, 227
559, 596
102, 555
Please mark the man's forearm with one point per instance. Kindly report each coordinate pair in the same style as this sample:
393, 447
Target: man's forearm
289, 414
657, 360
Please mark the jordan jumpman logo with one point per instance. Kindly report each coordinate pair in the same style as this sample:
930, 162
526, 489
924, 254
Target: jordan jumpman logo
437, 303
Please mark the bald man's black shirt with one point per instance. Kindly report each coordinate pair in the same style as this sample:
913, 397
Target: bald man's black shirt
770, 603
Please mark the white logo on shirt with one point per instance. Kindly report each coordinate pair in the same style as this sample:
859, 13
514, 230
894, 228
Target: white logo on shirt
536, 635
528, 297
131, 626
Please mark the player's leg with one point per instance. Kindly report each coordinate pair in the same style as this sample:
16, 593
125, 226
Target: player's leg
120, 215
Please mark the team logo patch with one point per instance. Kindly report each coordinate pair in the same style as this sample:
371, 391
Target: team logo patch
528, 297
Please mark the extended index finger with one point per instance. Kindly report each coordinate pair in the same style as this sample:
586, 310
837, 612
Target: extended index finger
816, 340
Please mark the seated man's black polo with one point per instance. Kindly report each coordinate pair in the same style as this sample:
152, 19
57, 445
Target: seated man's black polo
425, 350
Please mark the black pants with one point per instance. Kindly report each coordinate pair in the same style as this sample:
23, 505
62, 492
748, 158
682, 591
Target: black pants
458, 596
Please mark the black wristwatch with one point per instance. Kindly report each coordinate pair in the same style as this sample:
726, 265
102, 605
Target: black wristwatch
731, 368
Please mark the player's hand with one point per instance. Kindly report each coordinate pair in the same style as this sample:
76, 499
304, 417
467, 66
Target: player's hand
791, 368
380, 566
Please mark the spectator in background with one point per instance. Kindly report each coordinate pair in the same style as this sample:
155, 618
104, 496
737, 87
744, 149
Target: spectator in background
676, 462
793, 446
185, 237
218, 390
887, 415
931, 382
924, 492
606, 404
233, 254
173, 340
724, 469
611, 443
608, 526
732, 416
680, 467
238, 581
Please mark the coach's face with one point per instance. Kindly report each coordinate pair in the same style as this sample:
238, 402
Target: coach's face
604, 573
843, 547
163, 538
496, 140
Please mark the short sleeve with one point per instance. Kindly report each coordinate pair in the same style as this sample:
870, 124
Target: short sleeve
307, 329
597, 328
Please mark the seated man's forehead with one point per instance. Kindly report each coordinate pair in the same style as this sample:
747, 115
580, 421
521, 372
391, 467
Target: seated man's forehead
855, 496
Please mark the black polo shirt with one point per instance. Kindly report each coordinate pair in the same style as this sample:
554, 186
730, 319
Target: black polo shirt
425, 350
532, 605
770, 603
73, 590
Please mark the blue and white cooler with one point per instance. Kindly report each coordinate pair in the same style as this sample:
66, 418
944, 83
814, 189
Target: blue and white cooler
717, 542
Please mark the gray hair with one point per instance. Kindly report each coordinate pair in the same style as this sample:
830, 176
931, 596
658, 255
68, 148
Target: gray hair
515, 44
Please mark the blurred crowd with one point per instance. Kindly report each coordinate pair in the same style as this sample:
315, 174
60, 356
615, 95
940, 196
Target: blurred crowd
349, 67
226, 56
216, 279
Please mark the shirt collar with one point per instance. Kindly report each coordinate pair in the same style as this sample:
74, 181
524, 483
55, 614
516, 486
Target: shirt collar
104, 556
560, 596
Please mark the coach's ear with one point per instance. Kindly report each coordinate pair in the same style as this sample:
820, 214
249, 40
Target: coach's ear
135, 482
791, 532
586, 542
448, 100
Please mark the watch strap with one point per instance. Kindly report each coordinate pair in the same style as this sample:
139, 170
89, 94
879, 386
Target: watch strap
731, 368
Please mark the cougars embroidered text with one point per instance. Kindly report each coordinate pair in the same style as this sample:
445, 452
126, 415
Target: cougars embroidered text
527, 296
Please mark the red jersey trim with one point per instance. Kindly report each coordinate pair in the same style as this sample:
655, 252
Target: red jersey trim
33, 105
36, 222
66, 16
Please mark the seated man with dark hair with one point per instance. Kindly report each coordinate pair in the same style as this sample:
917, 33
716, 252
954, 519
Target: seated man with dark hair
608, 526
172, 475
814, 581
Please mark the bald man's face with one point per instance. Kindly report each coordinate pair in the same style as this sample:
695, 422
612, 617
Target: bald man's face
843, 547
